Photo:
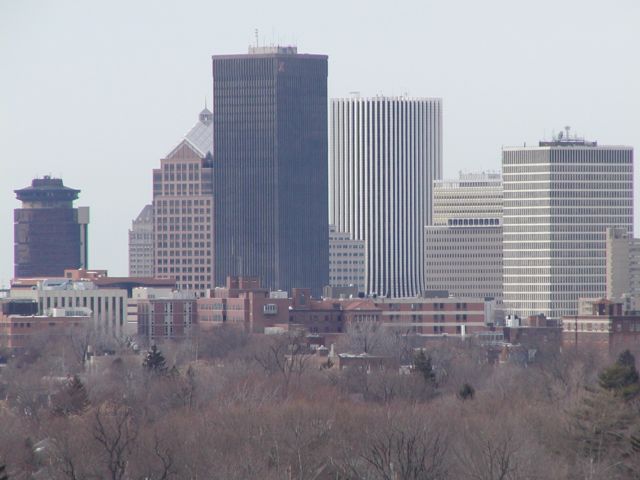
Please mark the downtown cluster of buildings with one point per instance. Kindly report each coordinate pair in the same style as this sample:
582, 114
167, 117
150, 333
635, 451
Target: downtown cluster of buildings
283, 208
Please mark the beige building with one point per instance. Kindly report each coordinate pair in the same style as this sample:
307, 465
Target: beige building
559, 198
346, 260
622, 266
464, 244
183, 210
141, 244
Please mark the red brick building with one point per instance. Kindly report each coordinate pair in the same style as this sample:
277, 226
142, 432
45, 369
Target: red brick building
437, 315
607, 329
19, 322
244, 303
537, 332
163, 315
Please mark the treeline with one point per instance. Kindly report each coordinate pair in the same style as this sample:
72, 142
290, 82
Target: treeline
228, 406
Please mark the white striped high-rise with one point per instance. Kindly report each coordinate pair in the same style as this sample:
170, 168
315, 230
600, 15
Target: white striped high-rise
385, 154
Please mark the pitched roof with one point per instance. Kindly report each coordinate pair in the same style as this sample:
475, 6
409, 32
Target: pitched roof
200, 137
145, 215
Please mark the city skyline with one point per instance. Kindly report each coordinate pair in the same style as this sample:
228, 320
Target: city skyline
122, 105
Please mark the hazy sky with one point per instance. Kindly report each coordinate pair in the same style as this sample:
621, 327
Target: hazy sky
98, 92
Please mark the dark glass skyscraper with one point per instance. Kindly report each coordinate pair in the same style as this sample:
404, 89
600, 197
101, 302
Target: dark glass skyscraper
270, 173
49, 234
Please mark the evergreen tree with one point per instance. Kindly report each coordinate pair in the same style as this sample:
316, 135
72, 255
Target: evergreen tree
466, 392
600, 427
72, 399
627, 359
422, 363
154, 361
3, 472
621, 378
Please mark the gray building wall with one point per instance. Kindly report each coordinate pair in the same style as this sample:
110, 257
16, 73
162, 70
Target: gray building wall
347, 260
141, 258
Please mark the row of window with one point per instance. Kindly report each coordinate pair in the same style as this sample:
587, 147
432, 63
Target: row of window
543, 193
596, 177
184, 203
177, 220
182, 228
602, 167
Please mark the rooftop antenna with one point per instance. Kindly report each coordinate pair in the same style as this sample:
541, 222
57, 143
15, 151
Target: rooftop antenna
205, 102
256, 33
567, 128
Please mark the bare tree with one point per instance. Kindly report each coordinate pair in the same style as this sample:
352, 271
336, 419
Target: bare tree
115, 431
490, 457
400, 445
287, 355
366, 336
154, 459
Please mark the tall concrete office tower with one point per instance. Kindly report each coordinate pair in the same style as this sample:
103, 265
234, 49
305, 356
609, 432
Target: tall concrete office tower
183, 210
141, 263
559, 199
49, 234
385, 154
270, 138
464, 244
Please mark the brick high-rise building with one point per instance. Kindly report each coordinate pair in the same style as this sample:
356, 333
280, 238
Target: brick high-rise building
183, 210
49, 234
270, 136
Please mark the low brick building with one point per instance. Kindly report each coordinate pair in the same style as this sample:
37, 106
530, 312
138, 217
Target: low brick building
20, 322
608, 329
438, 315
244, 303
163, 315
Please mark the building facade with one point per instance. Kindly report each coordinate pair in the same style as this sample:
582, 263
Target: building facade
385, 154
622, 267
20, 322
141, 260
162, 315
270, 129
559, 199
606, 329
437, 315
243, 303
107, 306
464, 244
346, 260
49, 234
183, 210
